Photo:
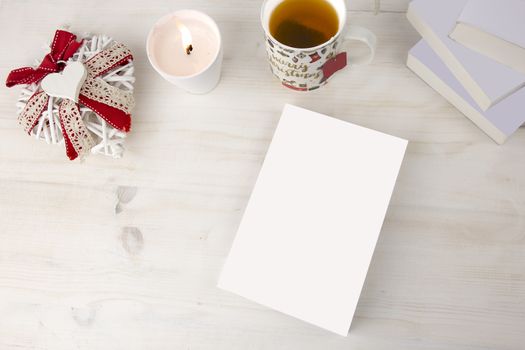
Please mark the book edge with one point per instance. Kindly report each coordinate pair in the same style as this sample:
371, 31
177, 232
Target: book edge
451, 61
492, 46
431, 79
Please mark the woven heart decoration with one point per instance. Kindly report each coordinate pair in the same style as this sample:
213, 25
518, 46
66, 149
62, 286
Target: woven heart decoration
80, 95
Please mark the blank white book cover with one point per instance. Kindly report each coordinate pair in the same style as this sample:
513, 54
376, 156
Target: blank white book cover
312, 222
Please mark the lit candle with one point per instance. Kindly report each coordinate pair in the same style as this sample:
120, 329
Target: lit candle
185, 48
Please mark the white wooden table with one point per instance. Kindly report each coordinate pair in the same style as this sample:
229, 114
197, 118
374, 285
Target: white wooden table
125, 254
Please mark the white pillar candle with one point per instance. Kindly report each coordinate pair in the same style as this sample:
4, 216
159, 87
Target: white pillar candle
185, 48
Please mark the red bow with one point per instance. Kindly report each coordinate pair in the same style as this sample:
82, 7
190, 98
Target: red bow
63, 47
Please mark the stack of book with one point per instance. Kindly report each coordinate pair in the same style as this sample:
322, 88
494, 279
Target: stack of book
473, 54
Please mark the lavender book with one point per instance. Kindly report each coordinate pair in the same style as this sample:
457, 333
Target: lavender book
499, 121
487, 81
494, 28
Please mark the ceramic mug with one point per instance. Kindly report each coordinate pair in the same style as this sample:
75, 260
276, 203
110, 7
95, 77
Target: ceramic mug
306, 69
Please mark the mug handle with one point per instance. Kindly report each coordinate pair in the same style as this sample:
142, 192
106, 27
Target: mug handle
365, 36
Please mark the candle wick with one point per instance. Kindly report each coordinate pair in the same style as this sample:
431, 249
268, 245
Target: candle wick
189, 49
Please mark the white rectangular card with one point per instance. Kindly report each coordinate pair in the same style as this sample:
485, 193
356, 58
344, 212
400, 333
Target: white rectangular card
309, 231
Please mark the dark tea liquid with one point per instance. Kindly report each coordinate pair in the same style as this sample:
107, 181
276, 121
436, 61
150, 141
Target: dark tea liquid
304, 23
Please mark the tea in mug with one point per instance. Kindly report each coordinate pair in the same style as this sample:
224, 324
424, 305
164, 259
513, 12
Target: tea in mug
304, 23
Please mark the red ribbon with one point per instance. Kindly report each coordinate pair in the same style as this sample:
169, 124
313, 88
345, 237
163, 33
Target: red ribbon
63, 47
333, 65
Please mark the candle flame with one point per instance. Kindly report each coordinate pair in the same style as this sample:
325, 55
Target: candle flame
186, 38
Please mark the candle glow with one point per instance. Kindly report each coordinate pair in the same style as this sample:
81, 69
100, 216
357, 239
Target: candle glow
186, 38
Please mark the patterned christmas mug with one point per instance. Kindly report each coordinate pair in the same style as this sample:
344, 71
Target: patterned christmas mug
305, 69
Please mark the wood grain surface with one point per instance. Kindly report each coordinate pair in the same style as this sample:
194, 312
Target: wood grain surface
125, 254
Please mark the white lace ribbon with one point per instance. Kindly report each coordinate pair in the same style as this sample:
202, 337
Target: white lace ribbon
74, 128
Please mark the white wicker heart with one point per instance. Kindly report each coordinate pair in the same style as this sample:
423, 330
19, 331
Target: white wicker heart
108, 140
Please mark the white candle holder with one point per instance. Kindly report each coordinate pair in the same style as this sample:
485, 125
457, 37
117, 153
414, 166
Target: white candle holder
196, 69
